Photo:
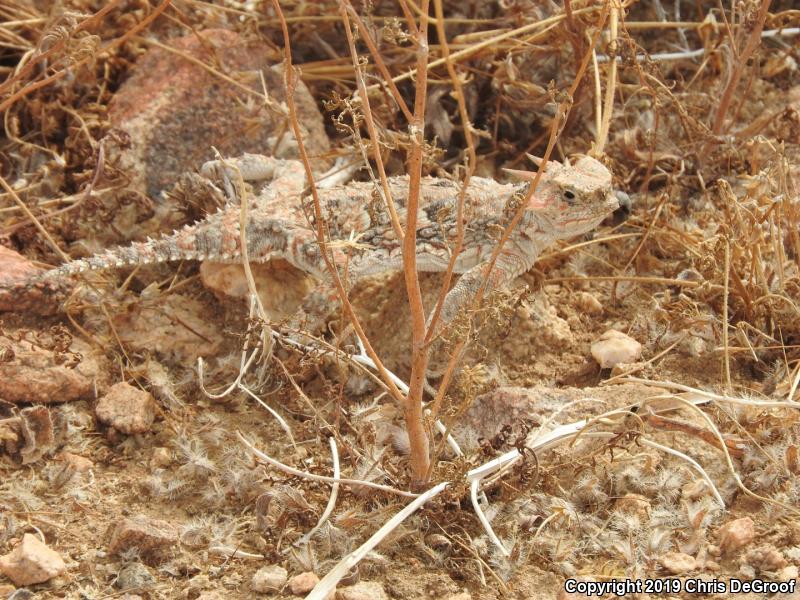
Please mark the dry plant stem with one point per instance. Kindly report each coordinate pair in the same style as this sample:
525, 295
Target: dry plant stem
475, 477
712, 396
32, 87
471, 163
415, 427
370, 122
611, 81
24, 208
365, 363
544, 24
752, 43
460, 221
37, 59
320, 233
320, 478
332, 500
726, 347
343, 567
346, 6
689, 429
561, 115
229, 552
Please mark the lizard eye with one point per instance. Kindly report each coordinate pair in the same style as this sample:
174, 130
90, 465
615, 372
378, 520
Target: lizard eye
569, 195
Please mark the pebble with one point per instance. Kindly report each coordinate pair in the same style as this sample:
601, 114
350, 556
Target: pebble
735, 534
31, 562
678, 563
161, 457
634, 504
590, 305
81, 464
135, 576
19, 294
126, 408
303, 583
144, 534
271, 578
615, 347
30, 374
364, 590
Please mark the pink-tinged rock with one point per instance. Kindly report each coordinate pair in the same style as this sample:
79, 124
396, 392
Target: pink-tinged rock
303, 583
31, 374
736, 534
126, 409
20, 292
615, 347
144, 534
31, 562
174, 110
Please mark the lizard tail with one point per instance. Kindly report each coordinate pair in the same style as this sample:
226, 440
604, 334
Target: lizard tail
190, 243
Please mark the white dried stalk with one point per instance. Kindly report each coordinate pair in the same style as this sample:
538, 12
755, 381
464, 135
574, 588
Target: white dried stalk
327, 584
475, 477
332, 500
321, 478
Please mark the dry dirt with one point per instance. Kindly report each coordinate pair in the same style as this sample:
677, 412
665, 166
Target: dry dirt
158, 497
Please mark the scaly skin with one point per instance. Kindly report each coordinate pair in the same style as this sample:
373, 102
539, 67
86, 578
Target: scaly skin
569, 200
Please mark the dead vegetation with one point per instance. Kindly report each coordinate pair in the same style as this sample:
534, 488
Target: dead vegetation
695, 107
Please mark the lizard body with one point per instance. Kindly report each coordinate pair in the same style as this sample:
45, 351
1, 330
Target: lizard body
569, 200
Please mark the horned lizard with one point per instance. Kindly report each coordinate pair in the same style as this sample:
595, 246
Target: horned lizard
569, 200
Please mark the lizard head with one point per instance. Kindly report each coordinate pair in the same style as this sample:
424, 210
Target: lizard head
572, 199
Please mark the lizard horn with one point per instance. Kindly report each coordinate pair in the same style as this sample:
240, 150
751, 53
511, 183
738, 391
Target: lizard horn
539, 161
534, 159
525, 175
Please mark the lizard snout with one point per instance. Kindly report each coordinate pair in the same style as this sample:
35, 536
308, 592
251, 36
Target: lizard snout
624, 204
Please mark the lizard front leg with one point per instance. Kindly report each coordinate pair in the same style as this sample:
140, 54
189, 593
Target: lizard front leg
287, 177
510, 264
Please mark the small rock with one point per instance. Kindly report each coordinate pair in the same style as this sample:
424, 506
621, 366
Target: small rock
364, 590
20, 292
615, 347
126, 408
677, 563
271, 578
161, 457
31, 562
135, 576
144, 534
81, 464
634, 504
622, 368
303, 583
587, 303
735, 534
766, 558
32, 374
